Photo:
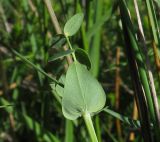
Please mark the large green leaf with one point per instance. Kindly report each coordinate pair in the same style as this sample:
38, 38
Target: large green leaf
73, 24
82, 92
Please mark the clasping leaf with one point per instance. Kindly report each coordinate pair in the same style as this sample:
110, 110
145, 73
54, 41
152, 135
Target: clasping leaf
82, 92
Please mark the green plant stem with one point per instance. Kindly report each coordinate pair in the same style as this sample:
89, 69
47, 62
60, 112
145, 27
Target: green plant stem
70, 46
89, 124
56, 24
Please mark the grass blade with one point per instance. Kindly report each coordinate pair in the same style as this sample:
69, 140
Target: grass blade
35, 67
138, 73
153, 21
36, 127
124, 119
95, 43
69, 135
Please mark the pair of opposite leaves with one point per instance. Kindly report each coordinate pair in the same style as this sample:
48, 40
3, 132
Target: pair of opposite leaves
82, 93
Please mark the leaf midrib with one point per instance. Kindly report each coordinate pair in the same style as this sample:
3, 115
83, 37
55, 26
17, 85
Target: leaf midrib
83, 97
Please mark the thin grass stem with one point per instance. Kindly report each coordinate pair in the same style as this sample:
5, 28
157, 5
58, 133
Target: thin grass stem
70, 46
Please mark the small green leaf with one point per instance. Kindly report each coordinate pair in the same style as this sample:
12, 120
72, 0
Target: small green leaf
73, 24
83, 57
58, 41
60, 55
4, 102
4, 106
82, 93
59, 90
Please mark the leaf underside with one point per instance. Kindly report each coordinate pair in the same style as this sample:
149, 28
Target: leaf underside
82, 92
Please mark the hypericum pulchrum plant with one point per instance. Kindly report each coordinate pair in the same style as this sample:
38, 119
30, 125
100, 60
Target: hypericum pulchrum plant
78, 91
82, 94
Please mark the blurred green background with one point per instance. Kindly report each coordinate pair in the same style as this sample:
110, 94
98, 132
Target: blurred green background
35, 114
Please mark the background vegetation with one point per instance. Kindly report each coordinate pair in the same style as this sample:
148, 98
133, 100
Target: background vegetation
123, 41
